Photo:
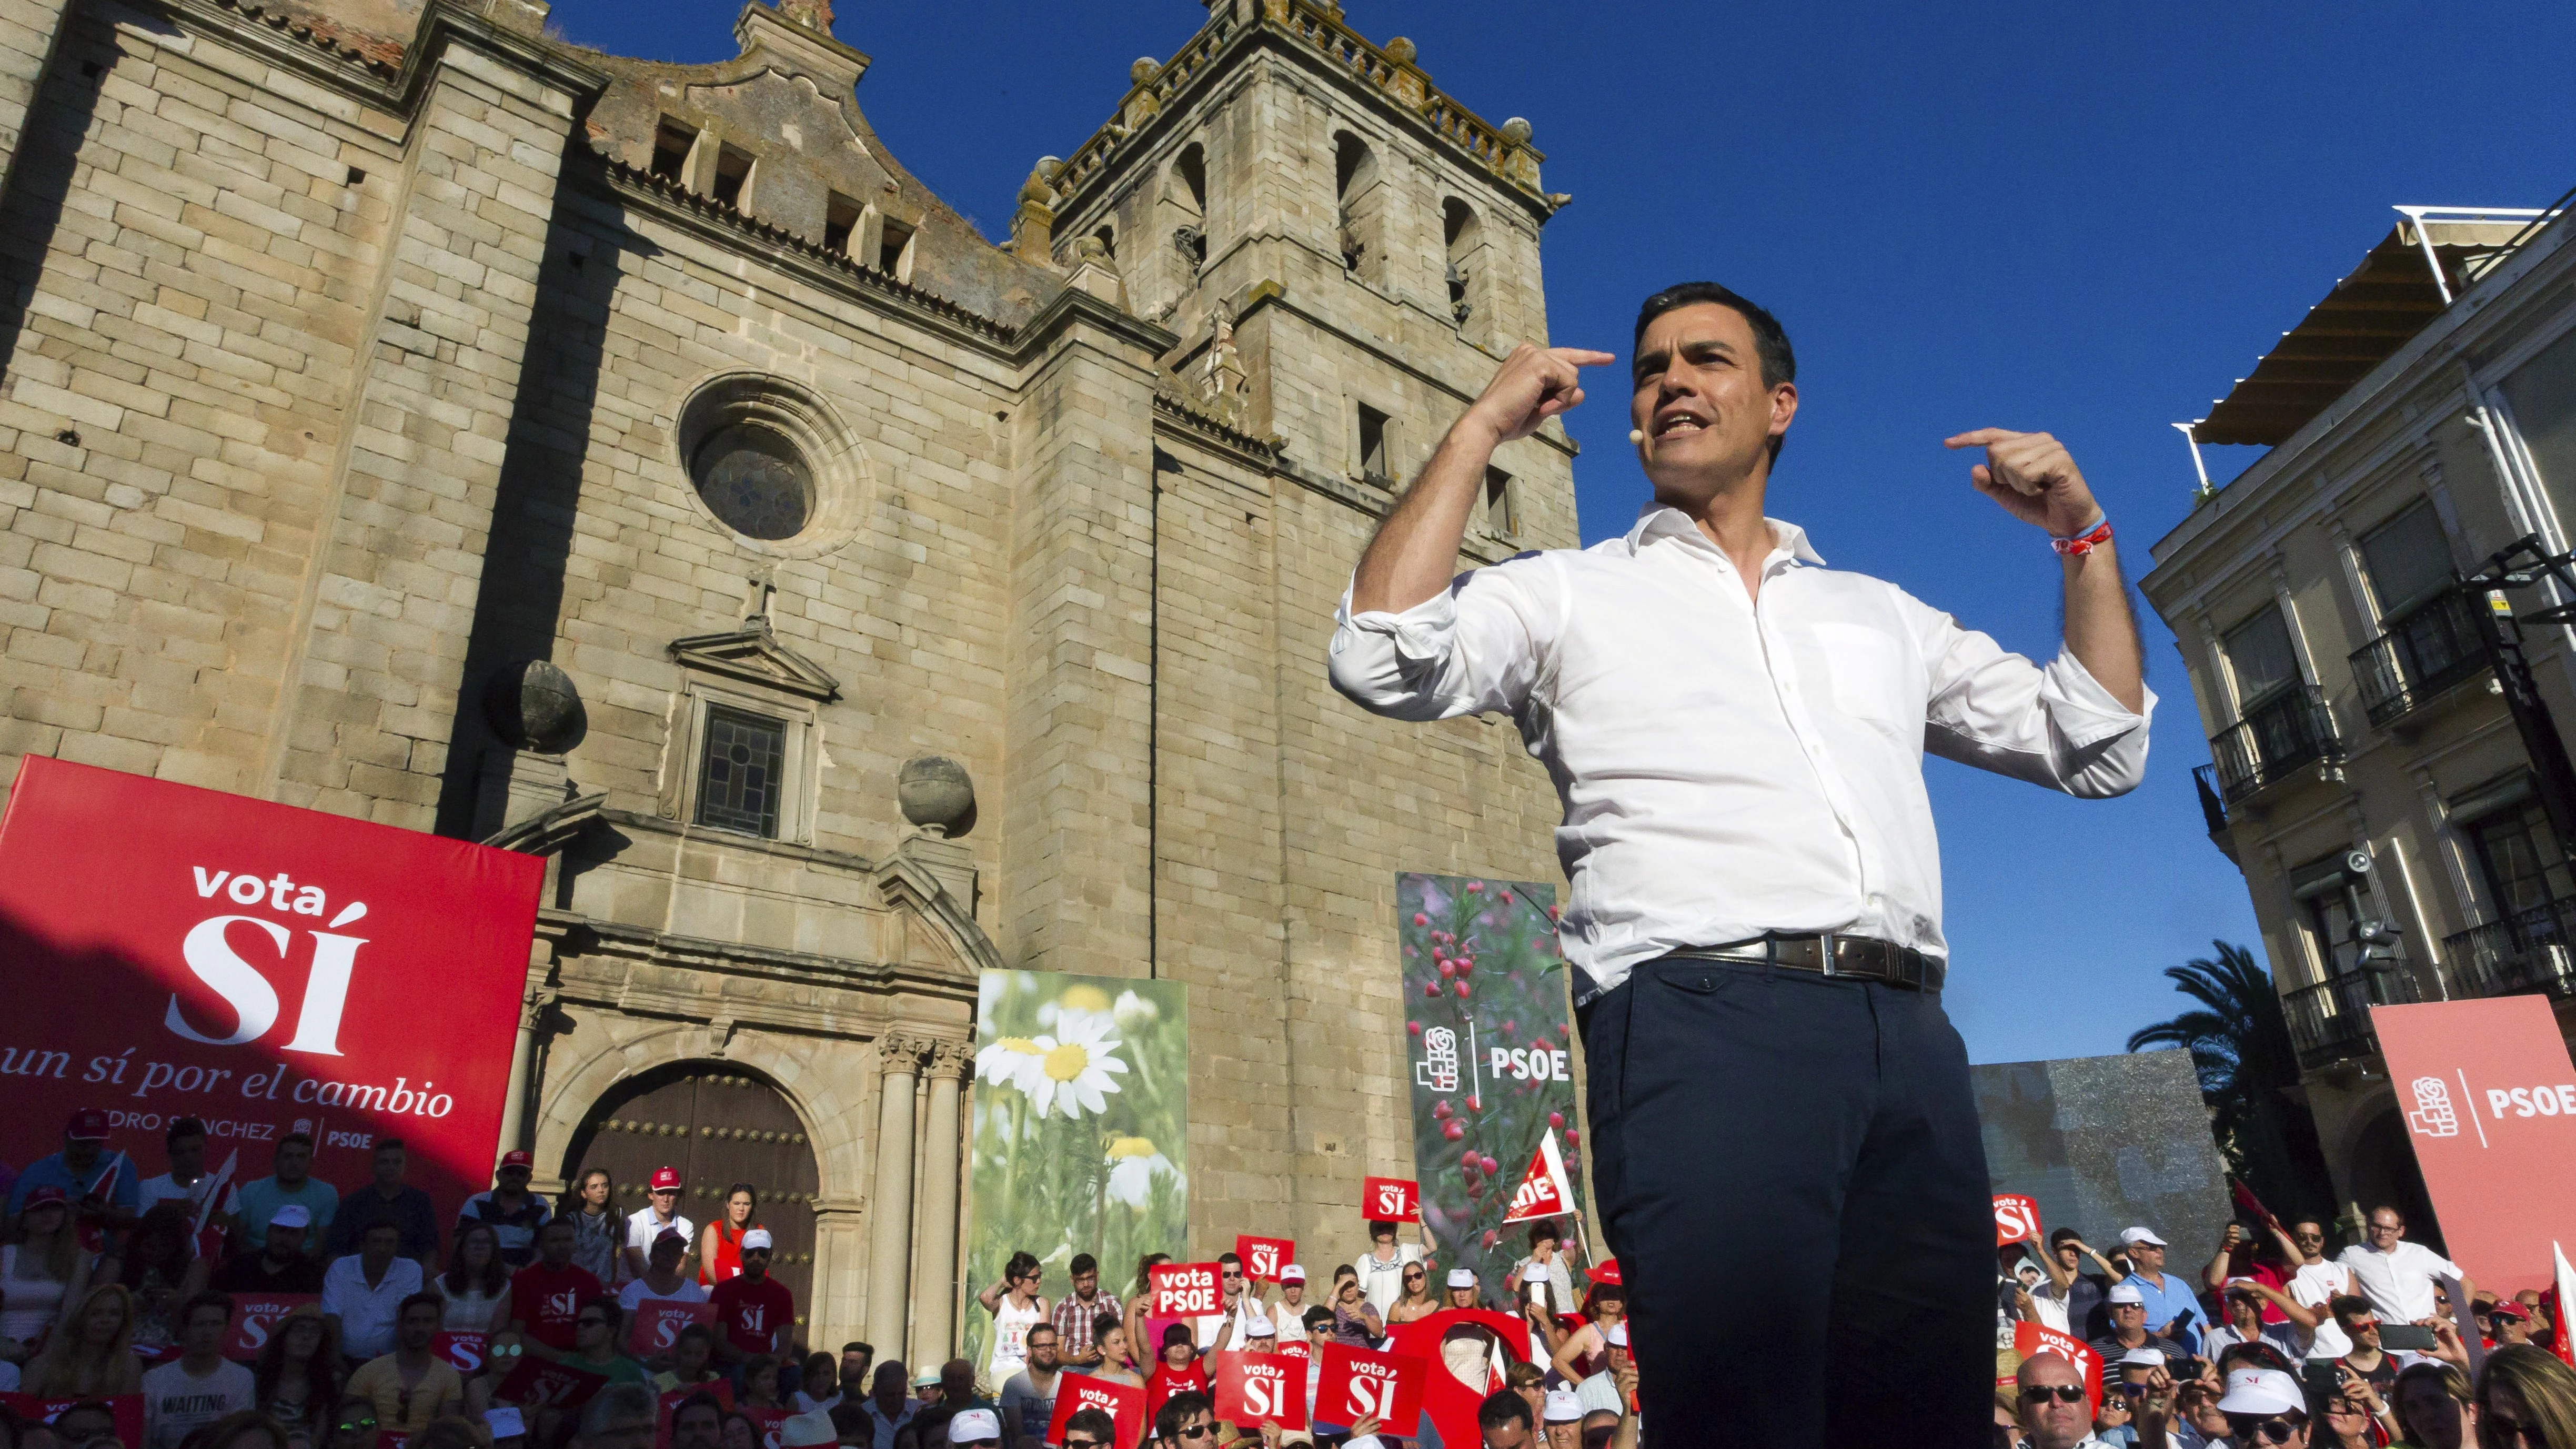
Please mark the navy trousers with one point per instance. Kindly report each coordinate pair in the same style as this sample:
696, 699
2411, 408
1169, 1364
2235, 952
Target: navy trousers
1790, 1173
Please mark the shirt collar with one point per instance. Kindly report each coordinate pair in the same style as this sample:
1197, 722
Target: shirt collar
1662, 520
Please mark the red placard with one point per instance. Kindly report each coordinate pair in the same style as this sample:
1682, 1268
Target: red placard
1358, 1383
1186, 1290
1123, 1403
255, 1320
2016, 1218
772, 1424
261, 967
128, 1409
1264, 1257
1253, 1388
1390, 1199
467, 1353
540, 1383
653, 1329
2030, 1338
1293, 1349
2490, 1105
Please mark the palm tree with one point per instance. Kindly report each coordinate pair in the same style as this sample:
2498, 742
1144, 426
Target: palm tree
2241, 1050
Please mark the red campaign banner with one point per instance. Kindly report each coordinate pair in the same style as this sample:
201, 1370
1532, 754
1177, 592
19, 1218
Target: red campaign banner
654, 1328
1123, 1403
2016, 1218
2030, 1338
1390, 1199
540, 1383
2490, 1106
255, 1320
467, 1353
128, 1409
1186, 1290
261, 967
1257, 1388
1264, 1257
772, 1424
1293, 1349
1358, 1383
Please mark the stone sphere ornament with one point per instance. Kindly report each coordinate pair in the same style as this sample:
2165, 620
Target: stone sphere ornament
534, 706
936, 794
1516, 132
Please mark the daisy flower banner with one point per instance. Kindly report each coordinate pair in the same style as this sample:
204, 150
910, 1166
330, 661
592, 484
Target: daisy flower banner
1081, 1111
1489, 1046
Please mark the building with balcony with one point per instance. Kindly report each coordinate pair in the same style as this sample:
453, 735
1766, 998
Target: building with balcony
2365, 770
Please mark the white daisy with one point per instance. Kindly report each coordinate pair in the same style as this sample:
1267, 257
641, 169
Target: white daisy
1011, 1061
1077, 1070
1133, 1166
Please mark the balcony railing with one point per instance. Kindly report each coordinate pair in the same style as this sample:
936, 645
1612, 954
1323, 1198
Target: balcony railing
2424, 652
2330, 1021
2290, 729
2530, 950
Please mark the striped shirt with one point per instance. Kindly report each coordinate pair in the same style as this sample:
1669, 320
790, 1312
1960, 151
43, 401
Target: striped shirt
1073, 1319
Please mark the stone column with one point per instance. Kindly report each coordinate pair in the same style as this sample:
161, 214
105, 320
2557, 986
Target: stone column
934, 1301
514, 1107
890, 1234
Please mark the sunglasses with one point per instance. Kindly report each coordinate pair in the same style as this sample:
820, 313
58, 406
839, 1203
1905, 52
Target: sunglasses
2063, 1393
1071, 1442
2271, 1431
1198, 1431
592, 1320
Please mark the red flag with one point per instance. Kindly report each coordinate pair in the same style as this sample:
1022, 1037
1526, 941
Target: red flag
1257, 1388
2246, 1199
1544, 1191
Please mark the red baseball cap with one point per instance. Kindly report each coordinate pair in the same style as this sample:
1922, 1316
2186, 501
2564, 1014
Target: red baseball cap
39, 1196
88, 1125
1606, 1271
666, 1179
515, 1158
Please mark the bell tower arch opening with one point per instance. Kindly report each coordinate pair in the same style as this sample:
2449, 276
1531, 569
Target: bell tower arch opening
719, 1125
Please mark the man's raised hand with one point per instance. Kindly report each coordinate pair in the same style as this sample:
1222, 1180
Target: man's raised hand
2032, 476
1534, 384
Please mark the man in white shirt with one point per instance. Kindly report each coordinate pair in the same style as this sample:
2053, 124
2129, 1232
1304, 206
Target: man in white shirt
2402, 1280
660, 1214
364, 1289
186, 1182
2318, 1282
1736, 733
201, 1385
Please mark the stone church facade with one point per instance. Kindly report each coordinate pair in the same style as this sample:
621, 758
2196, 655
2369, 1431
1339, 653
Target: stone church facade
411, 415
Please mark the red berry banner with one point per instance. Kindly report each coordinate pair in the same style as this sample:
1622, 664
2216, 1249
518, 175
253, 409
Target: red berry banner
1489, 1038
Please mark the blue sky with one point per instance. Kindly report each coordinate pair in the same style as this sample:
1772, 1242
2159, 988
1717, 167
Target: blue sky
2083, 218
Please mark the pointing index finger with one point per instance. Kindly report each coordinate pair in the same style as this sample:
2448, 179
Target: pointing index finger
1582, 356
1979, 438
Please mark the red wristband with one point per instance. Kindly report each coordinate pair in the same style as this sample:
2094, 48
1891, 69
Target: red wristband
2085, 543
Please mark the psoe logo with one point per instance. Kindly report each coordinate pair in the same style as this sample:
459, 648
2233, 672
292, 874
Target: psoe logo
208, 949
2433, 1115
1438, 1069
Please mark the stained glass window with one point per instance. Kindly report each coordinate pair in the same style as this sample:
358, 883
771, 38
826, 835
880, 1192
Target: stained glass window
739, 781
756, 481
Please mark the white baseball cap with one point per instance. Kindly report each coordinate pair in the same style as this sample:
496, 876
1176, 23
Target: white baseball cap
1563, 1407
1618, 1334
1260, 1328
292, 1215
2134, 1236
806, 1431
1462, 1277
2262, 1391
756, 1238
1292, 1274
2125, 1293
2142, 1358
972, 1426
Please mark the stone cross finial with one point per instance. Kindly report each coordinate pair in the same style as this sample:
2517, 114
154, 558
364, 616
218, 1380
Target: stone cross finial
813, 14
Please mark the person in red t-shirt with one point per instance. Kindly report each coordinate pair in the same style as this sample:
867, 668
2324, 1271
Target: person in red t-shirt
1178, 1370
546, 1296
757, 1311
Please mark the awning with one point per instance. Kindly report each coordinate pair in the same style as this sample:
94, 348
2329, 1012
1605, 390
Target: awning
2368, 316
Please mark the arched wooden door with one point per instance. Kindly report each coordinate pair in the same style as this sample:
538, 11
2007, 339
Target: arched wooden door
719, 1127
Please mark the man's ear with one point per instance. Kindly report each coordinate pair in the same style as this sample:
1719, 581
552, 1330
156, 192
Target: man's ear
1784, 408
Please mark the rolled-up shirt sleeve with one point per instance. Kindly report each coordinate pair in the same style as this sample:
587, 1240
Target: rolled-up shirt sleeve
2051, 724
1474, 647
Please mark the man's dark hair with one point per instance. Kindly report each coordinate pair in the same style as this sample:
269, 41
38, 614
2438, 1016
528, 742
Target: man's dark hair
701, 1400
2349, 1305
1082, 1263
854, 1346
183, 1127
1177, 1409
1093, 1422
304, 1137
1504, 1407
423, 1299
1779, 362
387, 1144
606, 1303
2252, 1355
1224, 1258
1545, 1230
850, 1422
1381, 1225
700, 1330
1318, 1317
208, 1299
2064, 1235
1041, 1326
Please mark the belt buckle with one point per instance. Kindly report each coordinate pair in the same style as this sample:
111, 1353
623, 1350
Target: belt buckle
1827, 939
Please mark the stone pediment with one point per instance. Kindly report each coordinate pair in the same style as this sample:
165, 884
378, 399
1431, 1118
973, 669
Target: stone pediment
753, 655
790, 107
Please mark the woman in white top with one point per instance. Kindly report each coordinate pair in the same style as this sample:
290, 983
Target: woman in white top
476, 1284
46, 1269
1015, 1305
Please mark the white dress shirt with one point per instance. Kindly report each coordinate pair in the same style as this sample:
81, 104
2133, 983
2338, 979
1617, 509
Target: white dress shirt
2400, 1284
1729, 768
367, 1314
2314, 1286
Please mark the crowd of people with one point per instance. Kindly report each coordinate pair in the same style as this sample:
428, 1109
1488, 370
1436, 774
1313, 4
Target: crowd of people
119, 1290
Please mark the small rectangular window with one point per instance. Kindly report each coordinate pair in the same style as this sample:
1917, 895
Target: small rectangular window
733, 176
671, 147
840, 223
1375, 465
2518, 856
1502, 513
2260, 656
739, 779
893, 250
2409, 559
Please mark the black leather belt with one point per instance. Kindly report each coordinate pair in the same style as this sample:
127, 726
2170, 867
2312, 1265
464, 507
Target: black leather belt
1860, 958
